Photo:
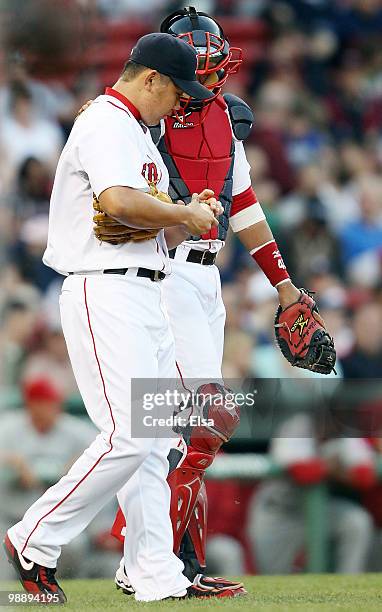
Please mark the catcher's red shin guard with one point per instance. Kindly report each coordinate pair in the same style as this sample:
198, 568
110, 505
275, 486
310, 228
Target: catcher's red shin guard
188, 463
214, 404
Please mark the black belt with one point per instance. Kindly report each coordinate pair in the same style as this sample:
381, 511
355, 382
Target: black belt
205, 258
154, 275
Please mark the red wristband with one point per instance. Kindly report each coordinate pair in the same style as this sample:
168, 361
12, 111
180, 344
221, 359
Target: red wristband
270, 261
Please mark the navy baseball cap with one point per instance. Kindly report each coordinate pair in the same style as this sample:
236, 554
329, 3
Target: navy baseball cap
174, 58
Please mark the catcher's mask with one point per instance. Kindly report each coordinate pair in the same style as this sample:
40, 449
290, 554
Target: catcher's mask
216, 59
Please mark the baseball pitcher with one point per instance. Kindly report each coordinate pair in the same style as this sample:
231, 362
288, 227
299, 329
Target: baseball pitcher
114, 321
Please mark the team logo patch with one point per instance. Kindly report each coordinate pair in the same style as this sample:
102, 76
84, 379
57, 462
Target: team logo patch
299, 324
151, 173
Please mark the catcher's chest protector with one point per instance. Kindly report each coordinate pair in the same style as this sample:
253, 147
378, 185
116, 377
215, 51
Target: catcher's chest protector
201, 155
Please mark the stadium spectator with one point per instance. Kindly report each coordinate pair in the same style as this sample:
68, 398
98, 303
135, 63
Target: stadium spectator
24, 135
18, 318
27, 252
332, 303
305, 142
365, 359
273, 106
358, 20
346, 107
48, 103
294, 208
311, 246
52, 357
33, 456
276, 521
31, 193
237, 355
363, 236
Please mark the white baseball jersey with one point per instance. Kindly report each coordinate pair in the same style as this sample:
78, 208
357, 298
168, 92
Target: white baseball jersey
107, 147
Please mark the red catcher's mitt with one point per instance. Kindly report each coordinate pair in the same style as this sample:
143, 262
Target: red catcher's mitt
302, 337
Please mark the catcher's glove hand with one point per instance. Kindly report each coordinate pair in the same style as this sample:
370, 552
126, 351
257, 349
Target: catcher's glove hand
109, 230
302, 337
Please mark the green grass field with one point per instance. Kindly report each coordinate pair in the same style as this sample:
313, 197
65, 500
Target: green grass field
269, 593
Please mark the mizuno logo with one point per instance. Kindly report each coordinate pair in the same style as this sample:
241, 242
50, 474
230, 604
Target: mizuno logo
27, 565
299, 323
203, 462
178, 124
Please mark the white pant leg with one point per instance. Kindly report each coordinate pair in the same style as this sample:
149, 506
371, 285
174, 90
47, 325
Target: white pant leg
114, 328
217, 316
151, 572
150, 568
197, 316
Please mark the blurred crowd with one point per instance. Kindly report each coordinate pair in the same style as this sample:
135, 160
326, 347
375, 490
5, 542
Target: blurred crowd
315, 85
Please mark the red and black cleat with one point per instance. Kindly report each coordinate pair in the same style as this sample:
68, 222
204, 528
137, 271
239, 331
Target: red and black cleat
202, 586
205, 586
35, 578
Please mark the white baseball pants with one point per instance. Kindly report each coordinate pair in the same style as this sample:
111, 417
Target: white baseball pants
197, 316
116, 329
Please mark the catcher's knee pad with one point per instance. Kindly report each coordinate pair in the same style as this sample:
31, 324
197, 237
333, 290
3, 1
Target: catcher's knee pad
212, 417
218, 419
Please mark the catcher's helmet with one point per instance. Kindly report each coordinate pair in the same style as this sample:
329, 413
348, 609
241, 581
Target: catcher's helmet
216, 59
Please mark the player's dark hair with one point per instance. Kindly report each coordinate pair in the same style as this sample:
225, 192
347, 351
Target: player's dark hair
131, 70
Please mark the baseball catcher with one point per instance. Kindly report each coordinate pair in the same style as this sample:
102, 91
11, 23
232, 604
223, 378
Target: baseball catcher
202, 145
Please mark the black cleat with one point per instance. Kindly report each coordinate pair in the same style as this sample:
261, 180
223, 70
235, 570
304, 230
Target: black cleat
35, 578
204, 586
